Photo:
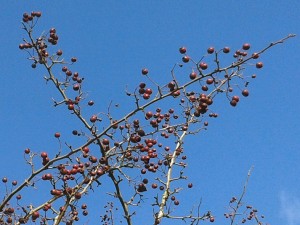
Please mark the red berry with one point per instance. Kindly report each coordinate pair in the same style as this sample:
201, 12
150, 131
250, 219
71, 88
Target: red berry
57, 135
154, 186
212, 219
90, 103
142, 85
76, 87
77, 195
259, 65
148, 91
210, 50
176, 93
209, 80
146, 96
182, 50
226, 49
64, 69
255, 55
149, 115
73, 59
86, 149
71, 106
145, 71
105, 141
38, 14
236, 98
93, 118
245, 93
59, 52
176, 202
27, 151
18, 197
52, 30
246, 46
233, 103
193, 75
190, 185
69, 73
203, 65
4, 179
35, 215
145, 181
185, 59
204, 88
44, 155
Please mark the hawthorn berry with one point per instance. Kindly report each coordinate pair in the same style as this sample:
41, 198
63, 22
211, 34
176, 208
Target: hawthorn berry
259, 65
105, 141
90, 103
146, 96
145, 71
59, 52
154, 186
209, 80
182, 50
93, 118
64, 69
193, 75
236, 98
245, 93
71, 106
233, 103
226, 49
210, 50
57, 135
76, 87
203, 65
204, 88
255, 55
246, 46
185, 59
44, 155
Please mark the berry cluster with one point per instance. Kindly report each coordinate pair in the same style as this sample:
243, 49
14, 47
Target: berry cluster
141, 141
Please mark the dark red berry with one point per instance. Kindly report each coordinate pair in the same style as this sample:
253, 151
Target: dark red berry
93, 118
245, 93
226, 49
182, 50
185, 59
59, 52
145, 71
259, 65
246, 46
210, 50
193, 75
203, 65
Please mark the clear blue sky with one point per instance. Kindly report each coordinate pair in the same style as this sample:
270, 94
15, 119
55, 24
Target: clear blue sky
114, 40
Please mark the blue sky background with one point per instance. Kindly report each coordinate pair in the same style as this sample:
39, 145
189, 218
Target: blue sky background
114, 40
